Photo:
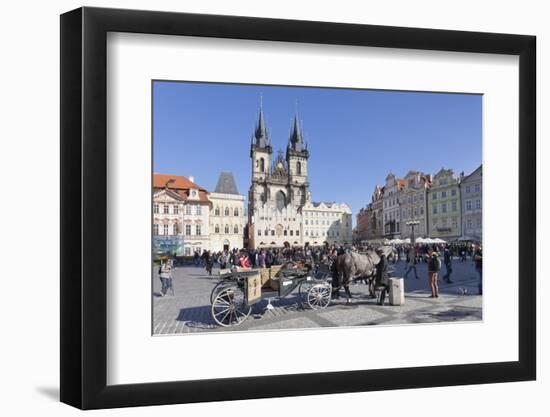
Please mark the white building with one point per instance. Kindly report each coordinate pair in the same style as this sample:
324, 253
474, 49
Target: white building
326, 223
180, 215
445, 220
227, 215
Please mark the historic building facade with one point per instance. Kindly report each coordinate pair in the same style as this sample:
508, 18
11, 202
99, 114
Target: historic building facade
279, 193
445, 219
413, 204
391, 208
471, 189
326, 223
370, 225
180, 215
227, 215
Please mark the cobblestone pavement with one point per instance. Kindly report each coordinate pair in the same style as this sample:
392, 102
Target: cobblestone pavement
187, 310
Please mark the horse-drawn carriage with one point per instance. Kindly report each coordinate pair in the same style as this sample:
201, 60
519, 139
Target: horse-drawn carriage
237, 291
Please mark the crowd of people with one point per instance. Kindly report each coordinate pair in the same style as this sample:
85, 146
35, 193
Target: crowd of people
435, 255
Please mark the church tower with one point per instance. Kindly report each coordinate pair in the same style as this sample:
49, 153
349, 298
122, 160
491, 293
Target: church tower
297, 156
260, 150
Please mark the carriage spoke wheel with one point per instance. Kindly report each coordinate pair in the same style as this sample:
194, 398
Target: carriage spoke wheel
229, 307
318, 296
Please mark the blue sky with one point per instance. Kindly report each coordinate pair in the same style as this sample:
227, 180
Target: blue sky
355, 137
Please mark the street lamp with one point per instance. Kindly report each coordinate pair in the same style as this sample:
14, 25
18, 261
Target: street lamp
412, 223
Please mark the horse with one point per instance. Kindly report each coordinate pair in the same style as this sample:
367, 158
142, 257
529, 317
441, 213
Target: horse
356, 266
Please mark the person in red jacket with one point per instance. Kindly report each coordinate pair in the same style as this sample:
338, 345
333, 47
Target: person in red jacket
244, 262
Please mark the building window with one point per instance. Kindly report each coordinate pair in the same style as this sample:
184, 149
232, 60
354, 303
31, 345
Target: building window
421, 210
435, 209
198, 229
226, 211
468, 205
444, 208
468, 189
165, 229
434, 196
477, 188
292, 233
469, 223
166, 209
236, 212
455, 223
199, 210
273, 233
299, 168
307, 233
216, 229
259, 232
188, 210
285, 232
262, 165
297, 233
175, 229
217, 211
478, 222
236, 229
155, 229
266, 232
155, 208
443, 194
188, 229
453, 205
176, 209
226, 229
453, 192
478, 204
187, 251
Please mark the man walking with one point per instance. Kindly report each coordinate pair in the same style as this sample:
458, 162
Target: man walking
478, 263
434, 266
448, 260
165, 275
411, 263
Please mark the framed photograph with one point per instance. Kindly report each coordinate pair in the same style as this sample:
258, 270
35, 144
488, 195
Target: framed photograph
261, 208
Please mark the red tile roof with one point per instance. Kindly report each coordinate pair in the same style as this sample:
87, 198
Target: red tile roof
180, 185
179, 182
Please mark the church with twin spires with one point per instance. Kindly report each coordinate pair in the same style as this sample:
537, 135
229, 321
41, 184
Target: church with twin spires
280, 210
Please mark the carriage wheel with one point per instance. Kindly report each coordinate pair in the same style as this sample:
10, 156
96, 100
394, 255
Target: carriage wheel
229, 307
217, 288
318, 296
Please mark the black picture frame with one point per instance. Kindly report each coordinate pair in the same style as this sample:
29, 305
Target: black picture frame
84, 207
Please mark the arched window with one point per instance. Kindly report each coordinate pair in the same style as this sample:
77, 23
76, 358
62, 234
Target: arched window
226, 229
299, 168
262, 165
236, 212
155, 229
217, 211
216, 229
227, 211
175, 229
235, 229
280, 200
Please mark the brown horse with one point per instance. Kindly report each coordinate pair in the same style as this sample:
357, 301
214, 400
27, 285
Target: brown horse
355, 266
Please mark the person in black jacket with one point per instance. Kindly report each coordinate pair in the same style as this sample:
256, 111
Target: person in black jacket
382, 278
448, 261
335, 275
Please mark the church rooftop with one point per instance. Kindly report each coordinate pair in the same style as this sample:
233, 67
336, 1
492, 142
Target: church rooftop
226, 184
